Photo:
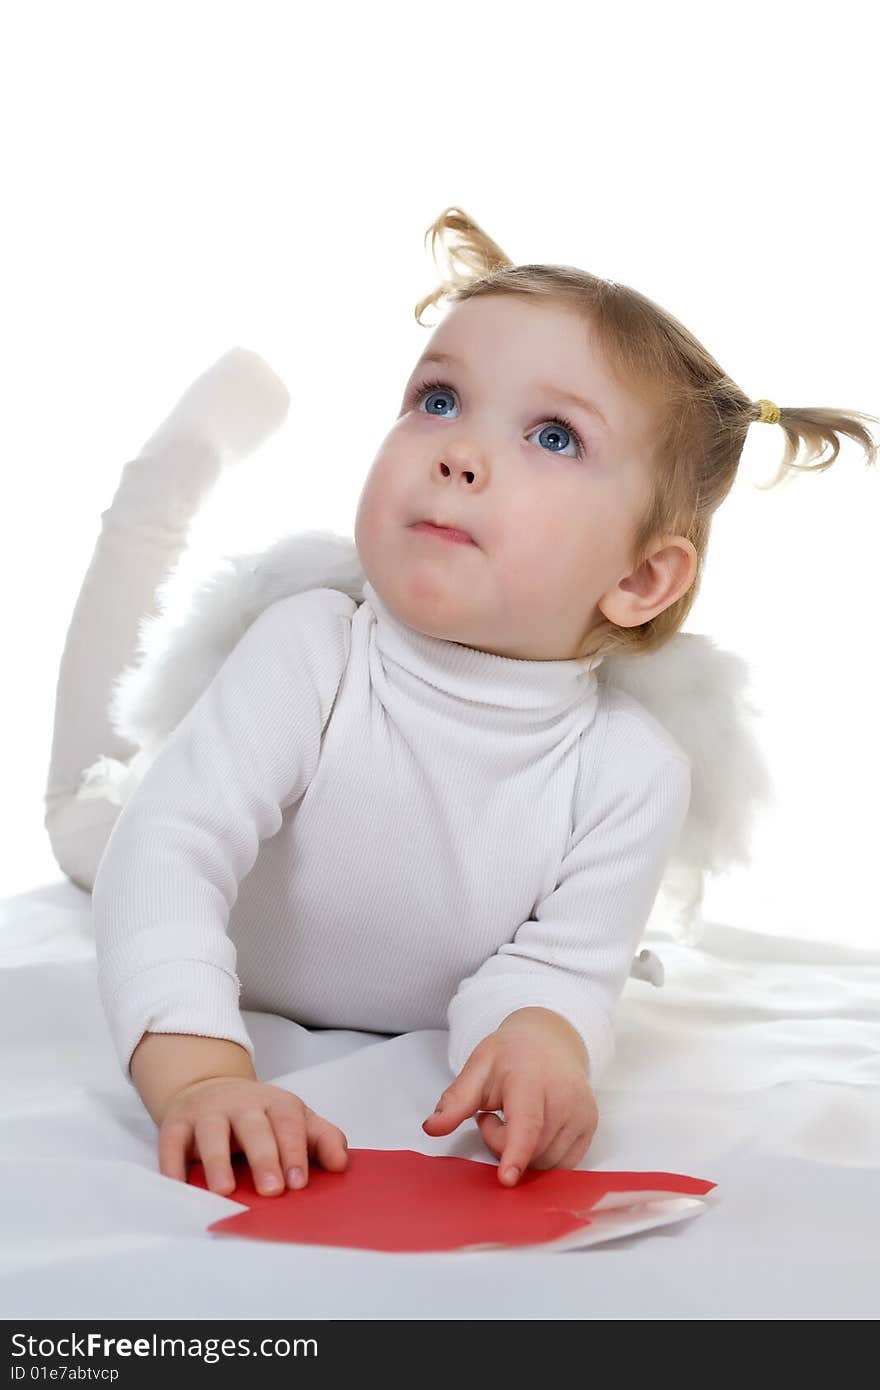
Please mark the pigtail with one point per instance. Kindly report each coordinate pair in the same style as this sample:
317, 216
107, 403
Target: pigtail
817, 428
473, 256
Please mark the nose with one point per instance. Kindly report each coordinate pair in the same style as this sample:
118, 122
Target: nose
460, 461
452, 470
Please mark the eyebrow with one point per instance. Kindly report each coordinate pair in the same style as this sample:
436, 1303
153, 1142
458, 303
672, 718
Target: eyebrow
449, 359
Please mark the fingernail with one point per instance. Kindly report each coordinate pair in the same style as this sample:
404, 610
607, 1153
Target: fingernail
511, 1174
295, 1177
270, 1182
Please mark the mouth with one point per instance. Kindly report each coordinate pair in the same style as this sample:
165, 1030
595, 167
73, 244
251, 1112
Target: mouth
441, 532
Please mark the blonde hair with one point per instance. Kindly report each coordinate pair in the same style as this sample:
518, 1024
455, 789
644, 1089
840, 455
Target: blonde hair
701, 415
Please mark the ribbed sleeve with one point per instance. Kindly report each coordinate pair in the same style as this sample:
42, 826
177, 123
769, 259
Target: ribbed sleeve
575, 953
182, 844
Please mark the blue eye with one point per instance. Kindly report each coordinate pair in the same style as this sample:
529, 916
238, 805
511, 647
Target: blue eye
431, 388
553, 428
439, 388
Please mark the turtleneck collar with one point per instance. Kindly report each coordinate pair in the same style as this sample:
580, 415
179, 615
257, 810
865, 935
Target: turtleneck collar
484, 677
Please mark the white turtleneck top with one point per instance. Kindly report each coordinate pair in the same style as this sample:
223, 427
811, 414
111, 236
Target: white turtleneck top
360, 826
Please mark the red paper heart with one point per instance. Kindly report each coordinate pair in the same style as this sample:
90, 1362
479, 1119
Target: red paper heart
397, 1199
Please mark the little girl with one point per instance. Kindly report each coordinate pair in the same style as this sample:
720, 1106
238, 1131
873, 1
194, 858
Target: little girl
425, 810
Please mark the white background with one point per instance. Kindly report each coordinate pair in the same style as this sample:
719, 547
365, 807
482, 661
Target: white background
180, 178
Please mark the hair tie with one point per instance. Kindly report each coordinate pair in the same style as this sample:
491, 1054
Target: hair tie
770, 412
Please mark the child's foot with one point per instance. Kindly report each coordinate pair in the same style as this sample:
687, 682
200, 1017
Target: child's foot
235, 406
226, 414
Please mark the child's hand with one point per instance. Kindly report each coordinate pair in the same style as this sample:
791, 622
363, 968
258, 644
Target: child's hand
534, 1068
274, 1128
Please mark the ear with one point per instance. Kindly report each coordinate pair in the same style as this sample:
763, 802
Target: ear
666, 574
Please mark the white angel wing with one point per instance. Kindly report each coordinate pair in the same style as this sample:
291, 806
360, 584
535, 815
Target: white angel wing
178, 658
698, 692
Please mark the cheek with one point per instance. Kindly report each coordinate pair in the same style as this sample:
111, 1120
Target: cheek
382, 501
550, 549
533, 560
542, 528
369, 511
375, 489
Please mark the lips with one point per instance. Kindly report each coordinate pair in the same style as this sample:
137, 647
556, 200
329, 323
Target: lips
439, 528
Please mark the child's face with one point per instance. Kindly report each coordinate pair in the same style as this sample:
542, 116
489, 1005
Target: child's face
487, 454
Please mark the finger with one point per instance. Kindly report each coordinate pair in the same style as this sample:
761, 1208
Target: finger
327, 1142
493, 1131
572, 1140
584, 1133
212, 1142
523, 1107
466, 1095
494, 1135
173, 1143
289, 1125
552, 1154
254, 1132
576, 1153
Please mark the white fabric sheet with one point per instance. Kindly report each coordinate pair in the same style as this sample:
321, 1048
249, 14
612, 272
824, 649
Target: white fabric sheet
756, 1066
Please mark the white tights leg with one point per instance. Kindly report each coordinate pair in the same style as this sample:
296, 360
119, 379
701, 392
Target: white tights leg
227, 413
